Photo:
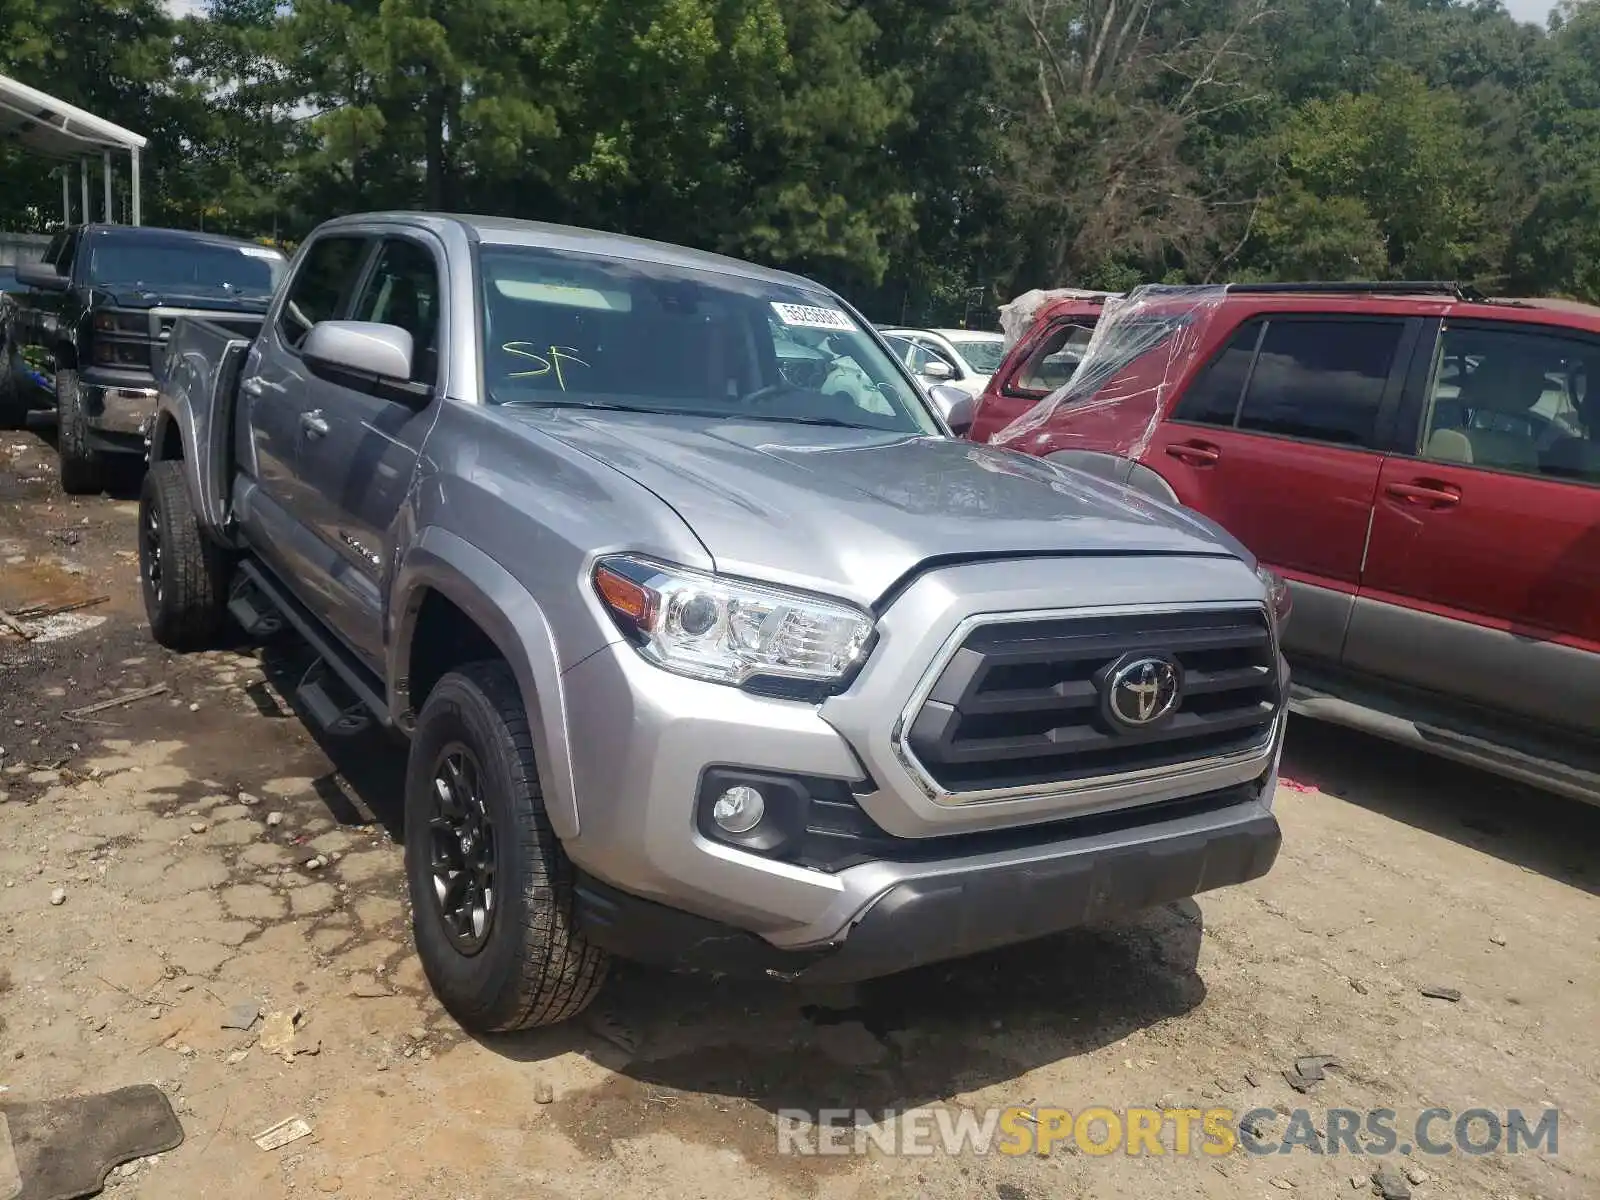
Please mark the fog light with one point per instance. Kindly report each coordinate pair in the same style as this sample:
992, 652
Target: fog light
739, 809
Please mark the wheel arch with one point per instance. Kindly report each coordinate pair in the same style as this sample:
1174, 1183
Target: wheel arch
444, 578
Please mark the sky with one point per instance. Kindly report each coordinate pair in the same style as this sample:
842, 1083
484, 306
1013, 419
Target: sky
1534, 11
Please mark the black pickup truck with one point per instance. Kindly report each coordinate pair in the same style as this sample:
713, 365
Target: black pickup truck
85, 333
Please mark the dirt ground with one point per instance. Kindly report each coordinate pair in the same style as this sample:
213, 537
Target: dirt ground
175, 832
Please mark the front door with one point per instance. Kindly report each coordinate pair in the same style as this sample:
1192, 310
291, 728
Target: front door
359, 468
1279, 439
1483, 573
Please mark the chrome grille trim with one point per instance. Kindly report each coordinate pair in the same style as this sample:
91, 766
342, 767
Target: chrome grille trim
1259, 751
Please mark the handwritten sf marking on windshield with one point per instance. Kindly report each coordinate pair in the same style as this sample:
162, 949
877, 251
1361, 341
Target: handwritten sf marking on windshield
551, 361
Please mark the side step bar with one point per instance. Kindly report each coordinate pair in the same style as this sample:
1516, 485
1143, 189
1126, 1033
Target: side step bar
1564, 778
257, 602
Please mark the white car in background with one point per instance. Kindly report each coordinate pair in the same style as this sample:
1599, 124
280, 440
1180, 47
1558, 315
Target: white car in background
962, 358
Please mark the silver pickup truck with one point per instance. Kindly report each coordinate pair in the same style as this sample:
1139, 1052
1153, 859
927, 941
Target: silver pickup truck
712, 647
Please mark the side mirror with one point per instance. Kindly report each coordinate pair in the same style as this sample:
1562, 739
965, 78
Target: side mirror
42, 276
378, 351
955, 406
937, 369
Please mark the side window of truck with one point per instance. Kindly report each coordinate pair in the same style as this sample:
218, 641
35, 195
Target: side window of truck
66, 253
321, 287
403, 290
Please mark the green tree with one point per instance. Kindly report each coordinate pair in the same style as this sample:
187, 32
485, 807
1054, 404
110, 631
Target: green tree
1399, 168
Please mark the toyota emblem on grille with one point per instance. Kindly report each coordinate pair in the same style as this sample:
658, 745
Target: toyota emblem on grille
1140, 690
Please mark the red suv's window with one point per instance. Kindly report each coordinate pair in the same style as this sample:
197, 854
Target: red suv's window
1213, 398
1514, 399
1316, 378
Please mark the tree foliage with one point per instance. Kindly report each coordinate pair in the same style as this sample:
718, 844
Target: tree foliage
929, 157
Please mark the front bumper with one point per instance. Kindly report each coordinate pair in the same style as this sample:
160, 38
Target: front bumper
1024, 864
117, 405
955, 909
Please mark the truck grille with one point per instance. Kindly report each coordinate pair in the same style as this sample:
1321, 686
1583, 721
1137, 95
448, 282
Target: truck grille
1025, 703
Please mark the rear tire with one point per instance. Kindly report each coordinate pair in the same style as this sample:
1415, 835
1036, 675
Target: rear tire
492, 889
83, 468
182, 573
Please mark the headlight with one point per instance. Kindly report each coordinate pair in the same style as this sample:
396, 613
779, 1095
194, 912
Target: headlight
727, 630
1278, 597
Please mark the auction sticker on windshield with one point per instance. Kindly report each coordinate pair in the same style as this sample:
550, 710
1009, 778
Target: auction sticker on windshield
804, 316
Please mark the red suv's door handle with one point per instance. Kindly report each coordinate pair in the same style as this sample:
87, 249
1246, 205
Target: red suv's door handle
1435, 495
1195, 453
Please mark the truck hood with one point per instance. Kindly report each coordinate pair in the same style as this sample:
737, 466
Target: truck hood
850, 512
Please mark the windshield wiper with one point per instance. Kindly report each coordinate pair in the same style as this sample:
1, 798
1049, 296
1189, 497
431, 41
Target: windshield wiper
719, 413
592, 404
788, 420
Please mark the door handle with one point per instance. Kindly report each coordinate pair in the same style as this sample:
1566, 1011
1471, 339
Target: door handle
1434, 495
312, 424
1195, 453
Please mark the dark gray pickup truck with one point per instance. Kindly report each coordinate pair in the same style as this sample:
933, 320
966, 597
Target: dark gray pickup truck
85, 331
709, 651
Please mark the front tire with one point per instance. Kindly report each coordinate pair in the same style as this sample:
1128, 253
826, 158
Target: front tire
491, 888
83, 468
182, 573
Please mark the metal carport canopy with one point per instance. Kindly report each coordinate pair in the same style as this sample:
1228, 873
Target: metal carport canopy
52, 128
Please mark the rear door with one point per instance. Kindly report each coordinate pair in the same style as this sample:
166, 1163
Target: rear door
358, 470
1280, 438
282, 401
1483, 572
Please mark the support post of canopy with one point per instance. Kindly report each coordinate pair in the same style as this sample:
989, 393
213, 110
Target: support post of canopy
134, 155
83, 188
66, 196
105, 167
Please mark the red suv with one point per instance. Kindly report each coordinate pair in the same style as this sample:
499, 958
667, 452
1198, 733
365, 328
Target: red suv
1421, 463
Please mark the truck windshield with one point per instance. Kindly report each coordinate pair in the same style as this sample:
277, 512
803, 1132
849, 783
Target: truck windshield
599, 332
182, 266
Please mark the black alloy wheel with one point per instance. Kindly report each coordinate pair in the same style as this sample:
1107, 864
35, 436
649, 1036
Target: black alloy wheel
461, 841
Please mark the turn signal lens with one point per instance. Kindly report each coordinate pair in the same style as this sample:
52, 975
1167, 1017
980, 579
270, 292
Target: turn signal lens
625, 598
1279, 598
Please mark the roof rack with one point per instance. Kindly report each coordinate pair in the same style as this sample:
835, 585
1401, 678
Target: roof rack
1380, 287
